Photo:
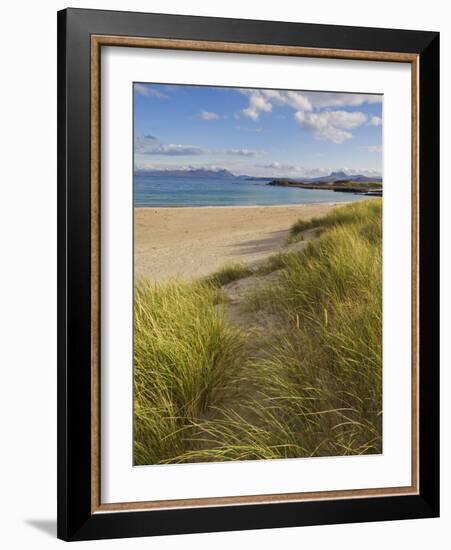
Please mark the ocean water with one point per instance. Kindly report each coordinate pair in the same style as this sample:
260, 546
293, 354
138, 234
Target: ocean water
179, 191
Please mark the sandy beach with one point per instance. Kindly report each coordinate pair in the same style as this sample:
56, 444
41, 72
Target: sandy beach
193, 242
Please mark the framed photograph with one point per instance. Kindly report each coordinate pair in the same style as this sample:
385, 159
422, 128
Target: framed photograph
248, 274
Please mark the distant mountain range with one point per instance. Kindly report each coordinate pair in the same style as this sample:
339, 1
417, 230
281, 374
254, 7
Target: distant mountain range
225, 174
337, 176
331, 178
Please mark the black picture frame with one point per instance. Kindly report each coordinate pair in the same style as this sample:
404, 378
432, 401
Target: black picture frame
76, 521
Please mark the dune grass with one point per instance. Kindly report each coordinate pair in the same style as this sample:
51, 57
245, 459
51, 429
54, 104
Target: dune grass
228, 273
358, 212
185, 359
314, 386
326, 368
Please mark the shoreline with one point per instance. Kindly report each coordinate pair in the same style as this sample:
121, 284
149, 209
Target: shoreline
300, 205
343, 186
194, 241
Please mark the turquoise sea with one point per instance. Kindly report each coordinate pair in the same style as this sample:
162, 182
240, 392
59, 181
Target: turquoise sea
180, 191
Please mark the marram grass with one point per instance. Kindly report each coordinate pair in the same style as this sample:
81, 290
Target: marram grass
228, 273
358, 212
185, 358
203, 392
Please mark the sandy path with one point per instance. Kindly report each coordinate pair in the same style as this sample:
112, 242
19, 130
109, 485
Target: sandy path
193, 242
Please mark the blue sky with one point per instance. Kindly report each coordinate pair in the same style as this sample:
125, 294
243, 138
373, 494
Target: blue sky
256, 132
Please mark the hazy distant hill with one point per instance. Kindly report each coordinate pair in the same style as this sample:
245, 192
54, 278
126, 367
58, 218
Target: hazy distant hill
225, 174
337, 176
331, 178
190, 173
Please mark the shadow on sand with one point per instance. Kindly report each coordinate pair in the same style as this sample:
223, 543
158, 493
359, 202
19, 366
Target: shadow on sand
258, 246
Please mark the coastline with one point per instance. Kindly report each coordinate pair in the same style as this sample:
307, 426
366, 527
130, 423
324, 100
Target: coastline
190, 242
212, 206
367, 189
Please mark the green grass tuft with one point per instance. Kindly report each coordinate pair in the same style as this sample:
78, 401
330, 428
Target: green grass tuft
228, 273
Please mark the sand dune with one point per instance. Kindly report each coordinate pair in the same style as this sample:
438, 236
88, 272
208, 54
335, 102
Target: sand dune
193, 242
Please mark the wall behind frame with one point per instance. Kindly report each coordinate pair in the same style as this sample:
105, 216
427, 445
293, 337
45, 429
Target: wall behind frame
28, 274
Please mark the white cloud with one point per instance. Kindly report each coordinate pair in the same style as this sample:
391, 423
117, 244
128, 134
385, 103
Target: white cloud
257, 103
326, 125
176, 150
208, 115
149, 91
375, 121
295, 171
279, 166
262, 100
320, 100
146, 143
349, 171
241, 152
250, 113
139, 165
150, 145
331, 125
295, 100
374, 148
